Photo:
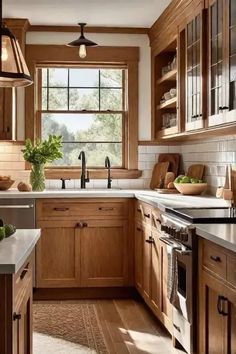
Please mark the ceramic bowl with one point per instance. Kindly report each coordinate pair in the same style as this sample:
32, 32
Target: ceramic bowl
191, 188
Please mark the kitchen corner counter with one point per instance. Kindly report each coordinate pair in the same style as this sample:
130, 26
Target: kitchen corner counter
161, 201
222, 234
15, 249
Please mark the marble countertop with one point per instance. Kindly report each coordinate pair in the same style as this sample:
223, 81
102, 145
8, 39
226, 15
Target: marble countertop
15, 249
222, 234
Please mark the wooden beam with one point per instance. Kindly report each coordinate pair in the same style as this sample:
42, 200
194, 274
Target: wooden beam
114, 30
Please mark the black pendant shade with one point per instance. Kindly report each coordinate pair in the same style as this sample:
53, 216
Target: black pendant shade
82, 40
13, 68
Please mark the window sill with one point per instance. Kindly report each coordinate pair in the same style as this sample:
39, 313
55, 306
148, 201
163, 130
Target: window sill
57, 173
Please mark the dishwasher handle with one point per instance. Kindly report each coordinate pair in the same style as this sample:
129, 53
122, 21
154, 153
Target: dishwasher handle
20, 206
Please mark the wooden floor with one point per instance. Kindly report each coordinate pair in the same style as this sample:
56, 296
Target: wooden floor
130, 327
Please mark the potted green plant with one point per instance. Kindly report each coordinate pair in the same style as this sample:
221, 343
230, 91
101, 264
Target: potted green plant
38, 155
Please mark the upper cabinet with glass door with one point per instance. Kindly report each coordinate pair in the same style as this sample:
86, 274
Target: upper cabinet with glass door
231, 75
194, 67
222, 61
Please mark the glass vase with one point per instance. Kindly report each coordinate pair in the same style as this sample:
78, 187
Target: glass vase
37, 177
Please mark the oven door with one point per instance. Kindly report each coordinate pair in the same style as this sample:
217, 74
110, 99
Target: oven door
183, 287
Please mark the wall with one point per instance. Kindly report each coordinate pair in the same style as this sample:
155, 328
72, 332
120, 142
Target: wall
215, 154
140, 40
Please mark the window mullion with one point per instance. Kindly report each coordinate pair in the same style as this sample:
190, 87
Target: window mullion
68, 90
99, 89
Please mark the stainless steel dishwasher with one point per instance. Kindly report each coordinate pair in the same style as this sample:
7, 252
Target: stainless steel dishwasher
21, 214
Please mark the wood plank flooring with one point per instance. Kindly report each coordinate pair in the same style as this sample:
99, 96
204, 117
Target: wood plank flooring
130, 327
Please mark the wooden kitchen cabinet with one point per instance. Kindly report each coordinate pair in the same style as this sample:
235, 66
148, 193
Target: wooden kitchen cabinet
222, 61
217, 300
104, 253
194, 57
57, 255
16, 310
84, 243
22, 325
151, 264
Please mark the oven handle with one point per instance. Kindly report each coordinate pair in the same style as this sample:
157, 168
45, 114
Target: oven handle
179, 250
184, 252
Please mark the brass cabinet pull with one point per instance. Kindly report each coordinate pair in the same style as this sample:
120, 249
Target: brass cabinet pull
105, 209
215, 258
61, 209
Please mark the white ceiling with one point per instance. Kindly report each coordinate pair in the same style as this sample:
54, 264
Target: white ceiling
120, 13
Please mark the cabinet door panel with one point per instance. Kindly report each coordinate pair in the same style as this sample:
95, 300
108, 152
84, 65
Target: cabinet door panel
231, 321
57, 256
138, 246
155, 272
146, 260
212, 327
104, 254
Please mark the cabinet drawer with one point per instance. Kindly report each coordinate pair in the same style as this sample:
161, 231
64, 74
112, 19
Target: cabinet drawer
231, 270
88, 208
214, 259
22, 281
143, 212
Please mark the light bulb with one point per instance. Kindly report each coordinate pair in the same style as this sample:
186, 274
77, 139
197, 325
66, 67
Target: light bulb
82, 51
4, 54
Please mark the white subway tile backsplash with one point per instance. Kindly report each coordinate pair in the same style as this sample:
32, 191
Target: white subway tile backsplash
147, 157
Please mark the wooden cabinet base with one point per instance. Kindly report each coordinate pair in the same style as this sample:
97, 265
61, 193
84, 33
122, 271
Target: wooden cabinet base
84, 293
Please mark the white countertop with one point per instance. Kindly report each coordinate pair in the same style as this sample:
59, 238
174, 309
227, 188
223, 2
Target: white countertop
15, 249
152, 197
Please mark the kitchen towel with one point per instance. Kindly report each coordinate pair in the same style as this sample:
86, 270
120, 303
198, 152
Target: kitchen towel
172, 276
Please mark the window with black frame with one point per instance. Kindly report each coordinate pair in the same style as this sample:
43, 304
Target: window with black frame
87, 107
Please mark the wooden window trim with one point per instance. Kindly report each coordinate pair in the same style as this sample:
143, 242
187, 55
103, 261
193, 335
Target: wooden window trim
46, 55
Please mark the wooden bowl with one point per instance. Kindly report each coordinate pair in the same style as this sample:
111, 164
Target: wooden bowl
5, 185
191, 188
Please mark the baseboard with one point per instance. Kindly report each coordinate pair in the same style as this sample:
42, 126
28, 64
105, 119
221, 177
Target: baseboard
84, 293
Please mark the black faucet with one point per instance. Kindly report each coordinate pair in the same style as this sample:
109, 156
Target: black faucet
83, 178
108, 166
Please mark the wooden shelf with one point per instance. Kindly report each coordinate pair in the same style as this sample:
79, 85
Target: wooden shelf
170, 76
171, 103
168, 131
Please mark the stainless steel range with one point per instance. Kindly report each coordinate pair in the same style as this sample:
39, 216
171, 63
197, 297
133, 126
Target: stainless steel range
179, 236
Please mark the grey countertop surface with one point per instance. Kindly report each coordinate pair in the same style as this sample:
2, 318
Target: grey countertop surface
15, 249
222, 234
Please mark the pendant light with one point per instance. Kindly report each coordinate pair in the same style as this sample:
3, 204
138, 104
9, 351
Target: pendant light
82, 42
13, 68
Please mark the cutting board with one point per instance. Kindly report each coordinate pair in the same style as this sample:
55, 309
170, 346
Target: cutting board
166, 191
173, 159
158, 174
196, 171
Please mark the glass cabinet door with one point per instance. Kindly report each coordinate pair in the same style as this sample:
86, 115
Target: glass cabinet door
215, 66
193, 74
232, 56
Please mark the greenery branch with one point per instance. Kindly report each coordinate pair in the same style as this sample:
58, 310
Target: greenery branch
44, 151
